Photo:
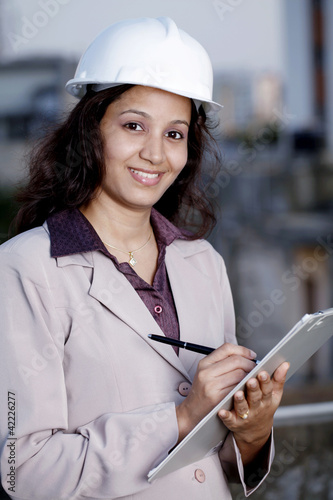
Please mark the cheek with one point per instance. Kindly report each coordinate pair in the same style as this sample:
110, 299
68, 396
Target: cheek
118, 148
112, 151
180, 159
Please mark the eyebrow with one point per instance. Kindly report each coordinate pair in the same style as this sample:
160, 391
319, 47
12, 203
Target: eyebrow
146, 115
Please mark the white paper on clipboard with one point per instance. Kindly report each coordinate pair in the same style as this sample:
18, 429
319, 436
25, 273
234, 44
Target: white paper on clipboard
300, 343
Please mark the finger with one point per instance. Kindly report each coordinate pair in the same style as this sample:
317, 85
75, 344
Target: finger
266, 385
230, 364
230, 379
279, 379
226, 416
241, 406
280, 373
225, 383
253, 393
225, 366
226, 350
229, 418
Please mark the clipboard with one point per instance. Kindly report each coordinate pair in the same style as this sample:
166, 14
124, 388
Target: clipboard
300, 343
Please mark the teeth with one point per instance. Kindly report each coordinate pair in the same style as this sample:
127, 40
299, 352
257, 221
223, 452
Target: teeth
144, 174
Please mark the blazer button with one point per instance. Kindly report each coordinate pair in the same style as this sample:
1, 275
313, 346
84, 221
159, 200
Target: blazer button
184, 388
200, 475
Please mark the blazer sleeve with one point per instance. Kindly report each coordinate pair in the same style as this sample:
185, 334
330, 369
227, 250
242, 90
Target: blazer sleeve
40, 459
229, 454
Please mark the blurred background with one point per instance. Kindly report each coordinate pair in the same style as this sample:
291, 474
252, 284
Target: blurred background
273, 65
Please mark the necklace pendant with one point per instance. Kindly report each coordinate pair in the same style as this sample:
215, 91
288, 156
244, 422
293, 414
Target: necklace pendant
132, 260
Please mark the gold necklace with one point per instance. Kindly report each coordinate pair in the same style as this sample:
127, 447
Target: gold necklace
132, 260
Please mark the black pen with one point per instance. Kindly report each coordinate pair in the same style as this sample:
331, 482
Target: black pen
201, 349
184, 345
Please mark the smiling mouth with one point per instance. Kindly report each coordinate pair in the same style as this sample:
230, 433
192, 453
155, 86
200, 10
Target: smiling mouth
145, 175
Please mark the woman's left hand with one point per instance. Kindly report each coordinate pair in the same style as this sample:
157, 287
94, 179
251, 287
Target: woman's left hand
251, 419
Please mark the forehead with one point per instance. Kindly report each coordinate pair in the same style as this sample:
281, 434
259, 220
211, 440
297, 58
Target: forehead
154, 102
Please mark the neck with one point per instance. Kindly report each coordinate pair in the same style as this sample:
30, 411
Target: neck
118, 226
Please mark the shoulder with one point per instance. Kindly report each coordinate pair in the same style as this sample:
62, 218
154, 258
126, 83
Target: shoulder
28, 250
29, 241
199, 253
190, 248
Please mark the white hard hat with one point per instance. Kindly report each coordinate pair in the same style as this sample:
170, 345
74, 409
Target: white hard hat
150, 52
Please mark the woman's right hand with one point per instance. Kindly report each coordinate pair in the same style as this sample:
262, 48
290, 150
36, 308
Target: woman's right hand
217, 374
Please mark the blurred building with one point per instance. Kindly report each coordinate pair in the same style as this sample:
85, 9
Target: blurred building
248, 100
309, 68
276, 189
32, 98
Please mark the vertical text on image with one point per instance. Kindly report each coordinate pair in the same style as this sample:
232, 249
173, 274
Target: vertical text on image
11, 441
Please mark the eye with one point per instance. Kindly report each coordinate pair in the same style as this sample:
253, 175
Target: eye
133, 126
173, 134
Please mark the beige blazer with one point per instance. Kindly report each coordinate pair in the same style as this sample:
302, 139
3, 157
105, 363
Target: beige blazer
94, 397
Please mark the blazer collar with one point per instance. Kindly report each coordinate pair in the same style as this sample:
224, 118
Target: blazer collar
71, 233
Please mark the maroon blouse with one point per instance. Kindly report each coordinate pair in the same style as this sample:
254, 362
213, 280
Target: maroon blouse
72, 233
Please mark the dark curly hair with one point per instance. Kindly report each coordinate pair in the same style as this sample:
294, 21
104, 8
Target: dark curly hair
67, 167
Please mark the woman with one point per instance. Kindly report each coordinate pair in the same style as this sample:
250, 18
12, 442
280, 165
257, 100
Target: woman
97, 268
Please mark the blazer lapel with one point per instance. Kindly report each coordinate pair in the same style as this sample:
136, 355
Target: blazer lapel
114, 291
193, 289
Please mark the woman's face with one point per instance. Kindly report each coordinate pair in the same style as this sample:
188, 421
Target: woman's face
145, 134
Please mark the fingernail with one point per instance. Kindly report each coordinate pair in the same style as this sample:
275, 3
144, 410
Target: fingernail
253, 354
223, 414
263, 376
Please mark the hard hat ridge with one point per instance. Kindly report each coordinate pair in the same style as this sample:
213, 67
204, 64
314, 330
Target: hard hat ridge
150, 52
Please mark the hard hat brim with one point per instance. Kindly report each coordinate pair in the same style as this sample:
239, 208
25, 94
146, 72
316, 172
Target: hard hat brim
78, 89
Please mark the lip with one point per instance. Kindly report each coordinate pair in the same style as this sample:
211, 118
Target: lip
146, 177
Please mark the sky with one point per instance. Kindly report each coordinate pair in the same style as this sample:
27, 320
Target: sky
238, 34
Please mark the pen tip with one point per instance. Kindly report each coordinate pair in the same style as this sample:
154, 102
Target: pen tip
149, 335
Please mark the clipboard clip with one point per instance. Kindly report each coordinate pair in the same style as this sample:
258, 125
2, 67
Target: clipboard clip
317, 323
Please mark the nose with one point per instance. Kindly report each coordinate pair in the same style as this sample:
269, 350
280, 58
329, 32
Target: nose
153, 150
